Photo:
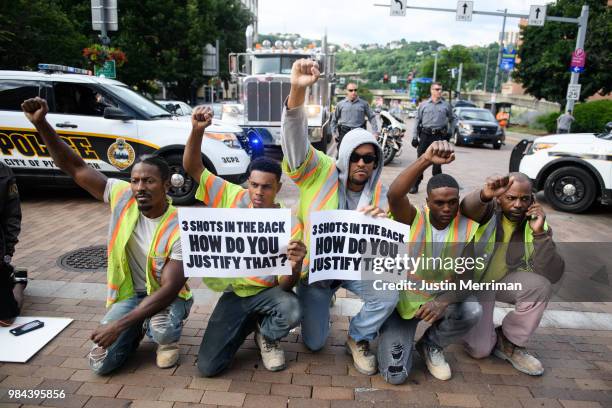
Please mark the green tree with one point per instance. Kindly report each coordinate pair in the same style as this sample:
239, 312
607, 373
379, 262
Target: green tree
451, 58
38, 31
546, 52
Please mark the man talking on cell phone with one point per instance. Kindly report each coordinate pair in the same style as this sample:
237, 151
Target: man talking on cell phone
518, 245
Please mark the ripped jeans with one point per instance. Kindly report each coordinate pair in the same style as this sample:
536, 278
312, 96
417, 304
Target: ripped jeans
165, 327
396, 340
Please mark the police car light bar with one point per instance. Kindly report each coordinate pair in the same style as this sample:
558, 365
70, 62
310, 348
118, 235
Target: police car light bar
63, 68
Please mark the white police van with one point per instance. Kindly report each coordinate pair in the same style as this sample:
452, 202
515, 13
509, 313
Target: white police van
573, 169
109, 125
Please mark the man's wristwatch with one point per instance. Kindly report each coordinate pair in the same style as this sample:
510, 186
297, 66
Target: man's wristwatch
7, 259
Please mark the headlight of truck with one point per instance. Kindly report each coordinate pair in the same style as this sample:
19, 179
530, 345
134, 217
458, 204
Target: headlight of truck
313, 111
228, 139
465, 127
541, 146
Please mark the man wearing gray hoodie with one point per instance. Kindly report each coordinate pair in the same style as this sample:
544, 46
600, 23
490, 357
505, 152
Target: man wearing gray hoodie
350, 183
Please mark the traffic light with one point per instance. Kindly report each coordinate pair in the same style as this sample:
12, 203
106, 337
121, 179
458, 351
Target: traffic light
385, 79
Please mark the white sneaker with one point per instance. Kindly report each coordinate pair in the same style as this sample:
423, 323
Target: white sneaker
434, 359
272, 355
167, 355
363, 360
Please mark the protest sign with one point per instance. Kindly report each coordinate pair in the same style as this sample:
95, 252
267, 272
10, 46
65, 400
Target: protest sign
228, 243
344, 244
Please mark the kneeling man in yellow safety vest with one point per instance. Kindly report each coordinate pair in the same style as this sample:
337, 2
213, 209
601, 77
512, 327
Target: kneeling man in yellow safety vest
264, 304
350, 183
438, 231
145, 270
521, 252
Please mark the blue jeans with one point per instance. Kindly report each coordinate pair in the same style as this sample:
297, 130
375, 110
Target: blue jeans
315, 301
394, 352
163, 328
234, 318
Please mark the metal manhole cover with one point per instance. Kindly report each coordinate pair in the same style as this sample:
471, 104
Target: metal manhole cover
89, 259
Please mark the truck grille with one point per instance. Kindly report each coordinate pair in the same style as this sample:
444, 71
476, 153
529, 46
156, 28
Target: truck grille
265, 100
484, 130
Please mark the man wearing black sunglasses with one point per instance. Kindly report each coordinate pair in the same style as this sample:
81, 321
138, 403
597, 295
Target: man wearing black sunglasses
350, 183
350, 113
432, 121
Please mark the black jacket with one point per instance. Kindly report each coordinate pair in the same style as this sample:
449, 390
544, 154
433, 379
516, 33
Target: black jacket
10, 212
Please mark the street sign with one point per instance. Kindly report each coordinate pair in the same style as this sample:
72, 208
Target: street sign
464, 10
577, 70
578, 58
110, 15
573, 92
537, 15
107, 71
508, 59
398, 7
210, 63
394, 79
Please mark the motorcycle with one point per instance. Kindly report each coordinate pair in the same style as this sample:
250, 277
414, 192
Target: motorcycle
390, 140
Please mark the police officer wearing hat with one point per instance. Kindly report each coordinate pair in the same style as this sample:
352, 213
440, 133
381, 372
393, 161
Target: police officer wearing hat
433, 118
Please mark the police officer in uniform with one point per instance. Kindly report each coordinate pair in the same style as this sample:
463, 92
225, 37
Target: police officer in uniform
433, 118
350, 113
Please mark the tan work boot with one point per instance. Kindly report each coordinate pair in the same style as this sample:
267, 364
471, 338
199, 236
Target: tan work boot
167, 355
363, 360
434, 359
272, 354
517, 356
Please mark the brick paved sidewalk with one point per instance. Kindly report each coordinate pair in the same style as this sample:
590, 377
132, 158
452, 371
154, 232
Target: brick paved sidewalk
578, 373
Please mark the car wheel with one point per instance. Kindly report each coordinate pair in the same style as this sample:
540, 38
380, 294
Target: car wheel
570, 189
182, 185
455, 139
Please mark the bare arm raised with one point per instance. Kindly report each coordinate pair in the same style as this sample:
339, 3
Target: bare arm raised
439, 152
192, 158
294, 127
65, 158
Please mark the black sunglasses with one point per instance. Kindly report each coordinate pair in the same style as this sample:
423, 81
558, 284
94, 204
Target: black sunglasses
367, 158
437, 89
351, 90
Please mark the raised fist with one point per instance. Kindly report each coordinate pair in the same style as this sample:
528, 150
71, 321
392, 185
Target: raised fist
495, 186
201, 118
304, 73
440, 152
35, 109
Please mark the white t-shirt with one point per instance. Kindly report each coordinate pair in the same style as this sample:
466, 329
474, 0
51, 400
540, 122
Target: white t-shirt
137, 248
438, 237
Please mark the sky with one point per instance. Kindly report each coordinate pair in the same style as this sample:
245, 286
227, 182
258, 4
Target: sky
359, 22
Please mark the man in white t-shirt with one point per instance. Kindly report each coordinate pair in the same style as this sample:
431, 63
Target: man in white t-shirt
145, 276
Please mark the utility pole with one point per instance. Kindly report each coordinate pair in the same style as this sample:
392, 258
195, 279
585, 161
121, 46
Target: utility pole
582, 28
435, 67
486, 71
459, 81
499, 58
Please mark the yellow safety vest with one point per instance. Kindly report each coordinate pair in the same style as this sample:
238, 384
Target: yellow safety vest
461, 231
124, 216
216, 192
318, 178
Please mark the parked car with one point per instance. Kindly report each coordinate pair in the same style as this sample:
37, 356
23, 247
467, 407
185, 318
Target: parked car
108, 125
476, 126
573, 169
461, 103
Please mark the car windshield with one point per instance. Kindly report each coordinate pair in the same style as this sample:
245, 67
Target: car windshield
483, 115
274, 64
139, 102
604, 135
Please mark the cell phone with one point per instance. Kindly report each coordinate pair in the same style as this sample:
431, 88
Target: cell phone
26, 328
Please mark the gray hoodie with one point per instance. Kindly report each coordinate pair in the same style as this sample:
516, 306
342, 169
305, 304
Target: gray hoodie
295, 144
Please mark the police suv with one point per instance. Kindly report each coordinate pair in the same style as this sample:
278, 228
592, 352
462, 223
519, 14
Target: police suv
573, 169
109, 126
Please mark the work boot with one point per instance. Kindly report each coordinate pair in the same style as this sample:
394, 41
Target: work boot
167, 355
517, 356
434, 359
272, 354
363, 360
414, 189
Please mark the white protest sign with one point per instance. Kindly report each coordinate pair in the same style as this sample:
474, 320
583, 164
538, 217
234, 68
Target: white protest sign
344, 243
232, 243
